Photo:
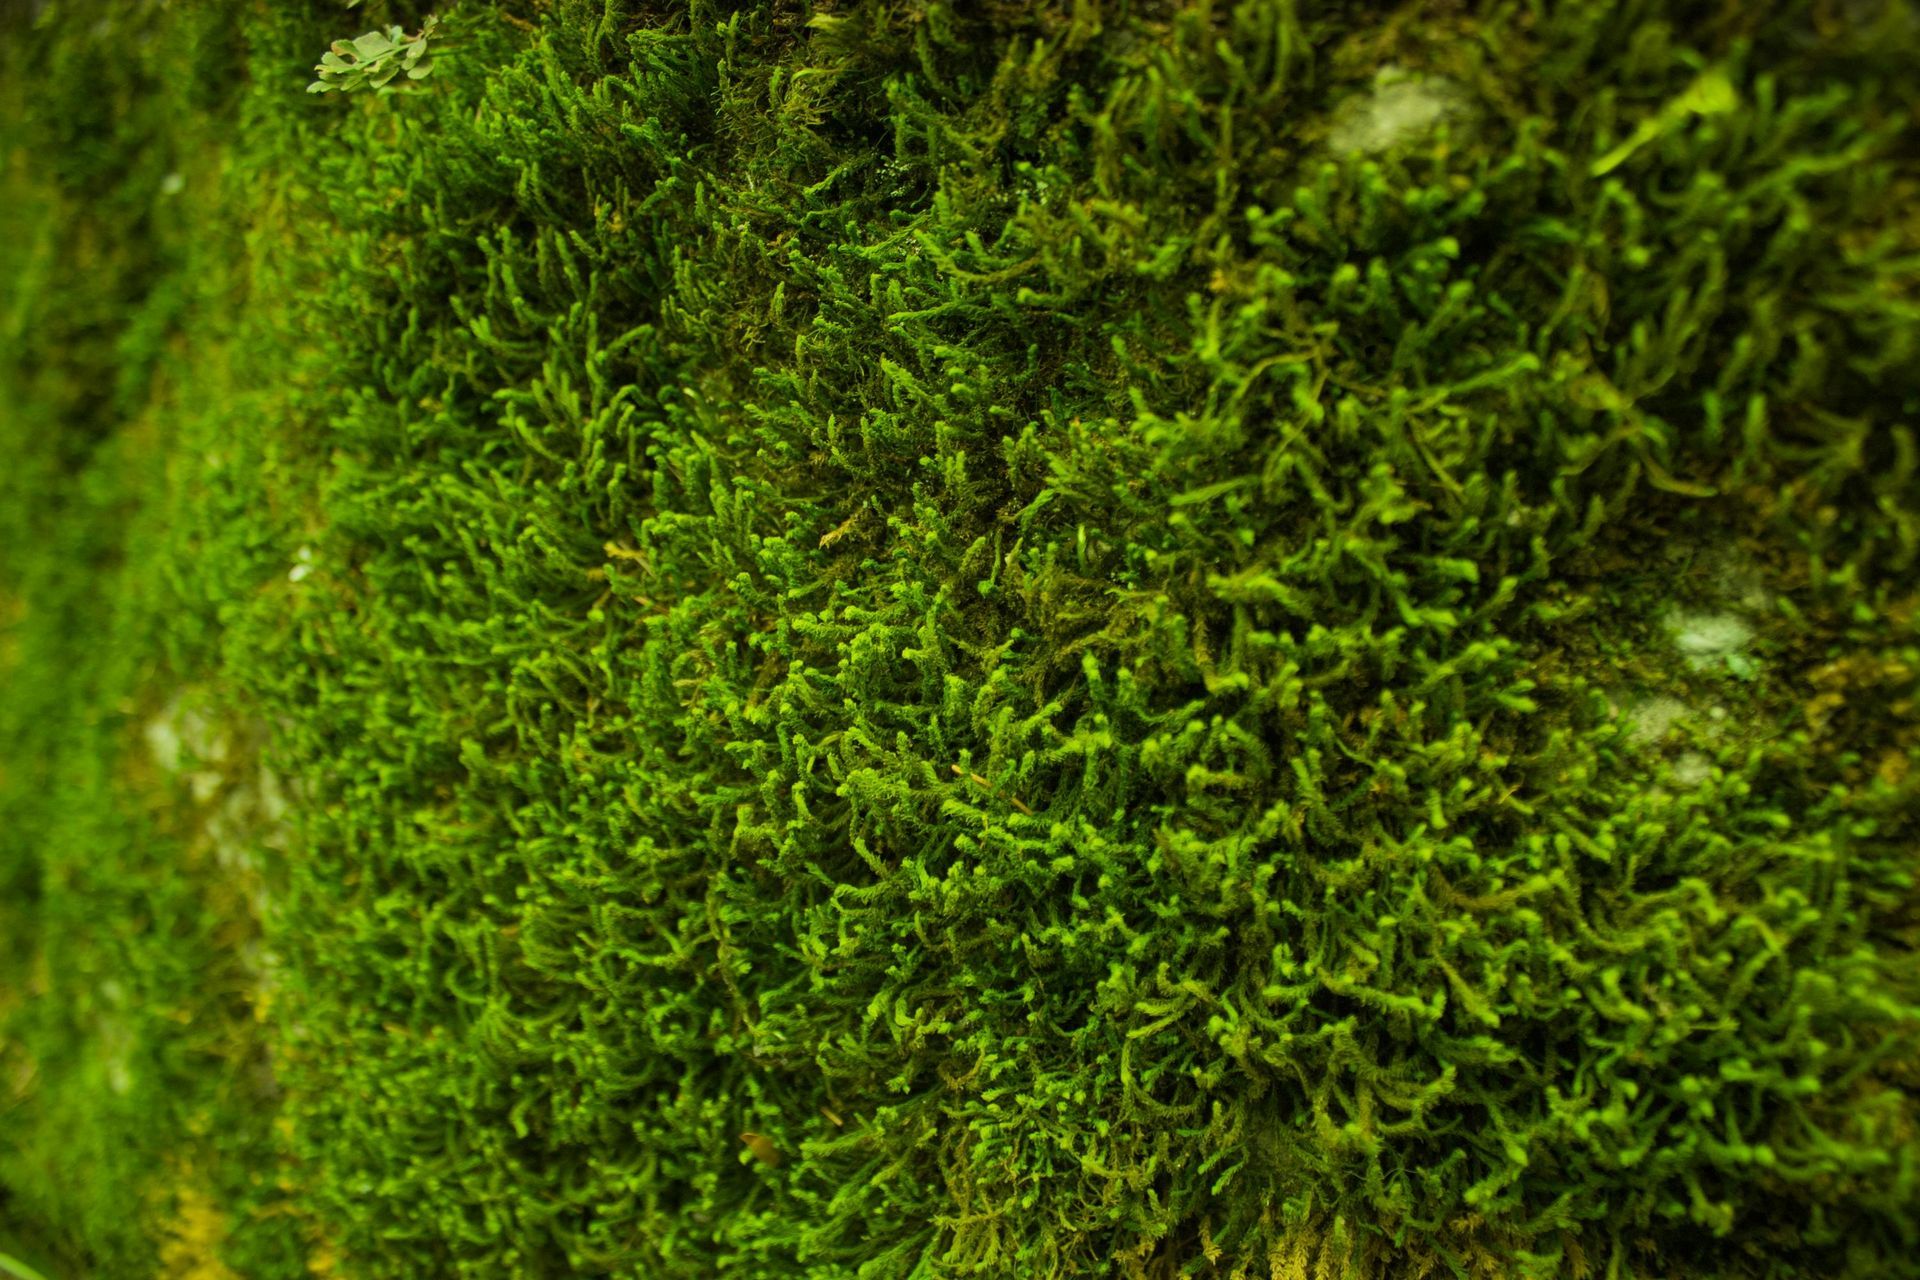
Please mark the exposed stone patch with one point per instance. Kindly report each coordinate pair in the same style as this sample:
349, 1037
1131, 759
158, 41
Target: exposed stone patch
113, 1039
184, 737
1401, 106
1709, 639
1651, 719
1715, 635
1691, 769
250, 819
1651, 723
241, 803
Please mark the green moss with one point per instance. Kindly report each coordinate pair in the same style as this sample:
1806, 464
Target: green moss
933, 640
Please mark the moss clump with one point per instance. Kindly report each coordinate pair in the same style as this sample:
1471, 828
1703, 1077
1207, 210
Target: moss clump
963, 640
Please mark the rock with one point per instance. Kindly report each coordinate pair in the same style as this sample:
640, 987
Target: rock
1708, 639
1651, 719
1691, 769
185, 737
1401, 107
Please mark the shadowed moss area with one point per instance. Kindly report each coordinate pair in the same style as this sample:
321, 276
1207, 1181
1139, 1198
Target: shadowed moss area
860, 640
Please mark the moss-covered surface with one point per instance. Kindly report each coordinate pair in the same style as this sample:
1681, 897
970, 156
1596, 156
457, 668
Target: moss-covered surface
926, 640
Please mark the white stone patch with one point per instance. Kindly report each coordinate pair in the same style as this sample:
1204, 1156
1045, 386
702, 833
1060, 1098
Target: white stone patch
1707, 639
1651, 719
271, 796
1401, 106
114, 1043
251, 817
163, 739
1691, 769
183, 736
244, 831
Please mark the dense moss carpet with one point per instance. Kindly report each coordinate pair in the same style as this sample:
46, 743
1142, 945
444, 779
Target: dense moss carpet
904, 639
